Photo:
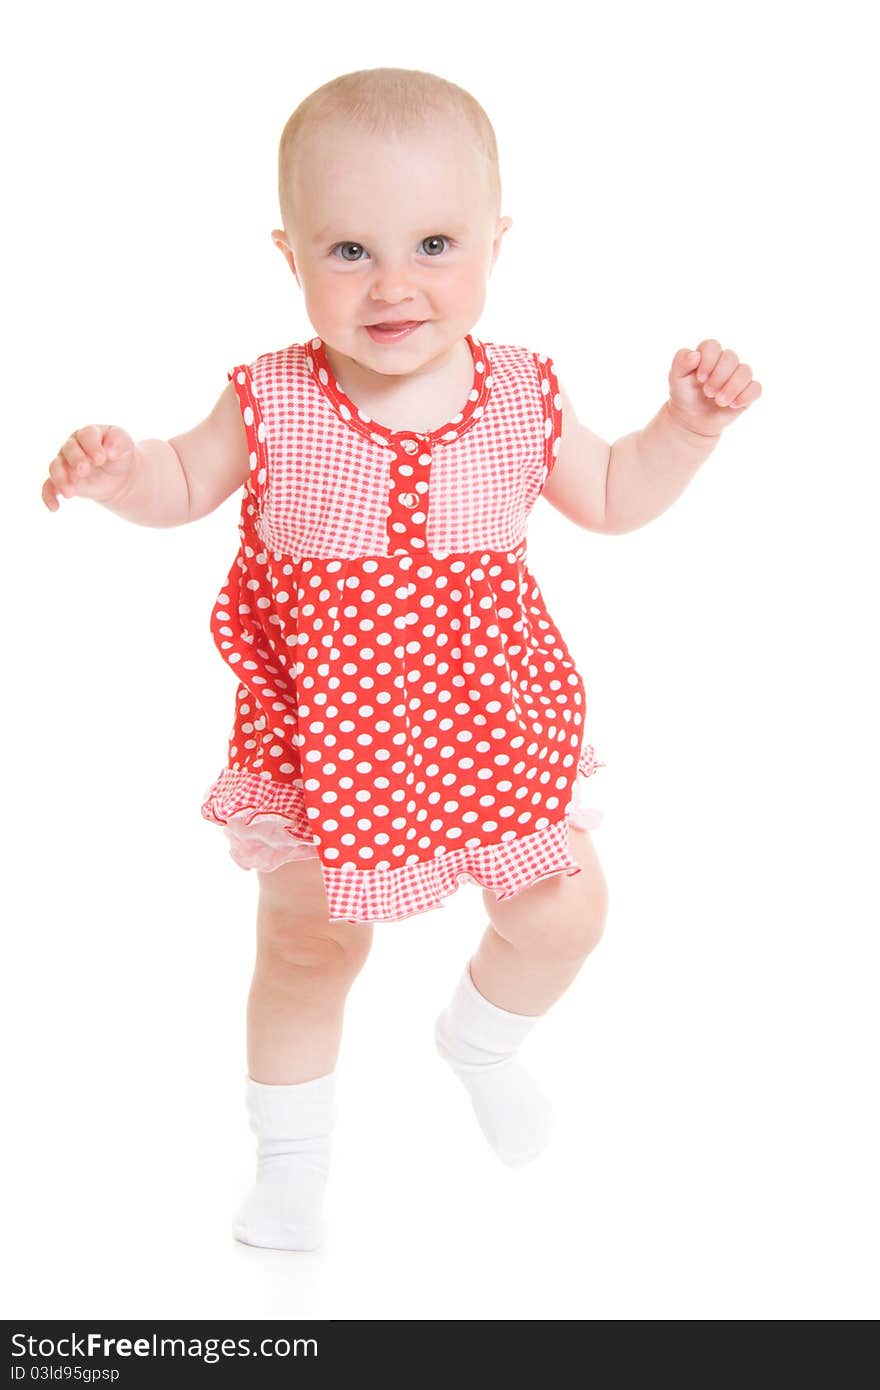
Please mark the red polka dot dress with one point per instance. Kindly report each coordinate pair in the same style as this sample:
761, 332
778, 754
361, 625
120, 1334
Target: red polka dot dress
406, 711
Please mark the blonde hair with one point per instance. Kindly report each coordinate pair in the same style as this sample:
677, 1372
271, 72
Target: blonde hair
384, 101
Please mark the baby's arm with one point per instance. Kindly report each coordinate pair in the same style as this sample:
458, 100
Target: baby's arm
619, 487
165, 482
214, 456
576, 483
188, 476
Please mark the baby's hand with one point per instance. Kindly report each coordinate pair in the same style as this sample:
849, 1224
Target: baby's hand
708, 388
97, 461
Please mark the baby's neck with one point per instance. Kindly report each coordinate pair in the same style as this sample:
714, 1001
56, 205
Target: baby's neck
420, 401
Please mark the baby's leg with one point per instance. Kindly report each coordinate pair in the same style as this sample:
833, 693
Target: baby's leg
305, 966
306, 963
537, 941
531, 951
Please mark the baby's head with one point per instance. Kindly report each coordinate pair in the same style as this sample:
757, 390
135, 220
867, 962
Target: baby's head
390, 197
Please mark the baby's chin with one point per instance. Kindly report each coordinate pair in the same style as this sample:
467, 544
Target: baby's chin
392, 351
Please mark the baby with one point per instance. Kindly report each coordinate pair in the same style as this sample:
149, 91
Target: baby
408, 717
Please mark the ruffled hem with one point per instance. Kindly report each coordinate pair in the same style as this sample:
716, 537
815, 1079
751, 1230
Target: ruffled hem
241, 795
392, 895
264, 840
264, 837
580, 815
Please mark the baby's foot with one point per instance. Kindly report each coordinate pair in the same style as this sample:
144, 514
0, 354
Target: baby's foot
511, 1109
283, 1210
293, 1124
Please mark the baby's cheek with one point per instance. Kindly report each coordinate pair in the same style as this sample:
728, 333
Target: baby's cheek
467, 297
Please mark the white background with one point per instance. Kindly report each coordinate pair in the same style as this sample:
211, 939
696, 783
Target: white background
674, 172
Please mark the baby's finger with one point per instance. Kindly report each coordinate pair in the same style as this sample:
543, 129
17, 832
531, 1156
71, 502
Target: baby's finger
746, 397
723, 368
50, 496
60, 476
90, 439
116, 442
75, 457
710, 351
735, 383
685, 362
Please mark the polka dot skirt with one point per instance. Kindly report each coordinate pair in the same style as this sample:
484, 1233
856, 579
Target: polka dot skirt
407, 713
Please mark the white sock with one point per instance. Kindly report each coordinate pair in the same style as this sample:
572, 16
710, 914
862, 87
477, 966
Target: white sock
478, 1040
293, 1125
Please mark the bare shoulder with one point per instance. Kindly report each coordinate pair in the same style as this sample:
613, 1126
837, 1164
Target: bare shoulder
214, 455
575, 485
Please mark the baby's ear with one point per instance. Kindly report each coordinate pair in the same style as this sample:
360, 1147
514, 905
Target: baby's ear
504, 224
280, 240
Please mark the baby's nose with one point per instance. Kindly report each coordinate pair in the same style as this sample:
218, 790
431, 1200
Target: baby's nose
390, 295
391, 284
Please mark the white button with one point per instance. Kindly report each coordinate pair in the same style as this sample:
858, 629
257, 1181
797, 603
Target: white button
409, 445
409, 499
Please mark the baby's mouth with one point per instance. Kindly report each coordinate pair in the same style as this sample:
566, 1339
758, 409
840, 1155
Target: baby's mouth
391, 332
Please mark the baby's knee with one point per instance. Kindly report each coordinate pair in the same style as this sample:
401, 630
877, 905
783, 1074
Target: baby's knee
566, 927
291, 941
575, 933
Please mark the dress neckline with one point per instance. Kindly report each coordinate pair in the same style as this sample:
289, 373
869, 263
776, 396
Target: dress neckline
471, 412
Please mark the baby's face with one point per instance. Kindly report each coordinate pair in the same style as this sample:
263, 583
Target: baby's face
392, 227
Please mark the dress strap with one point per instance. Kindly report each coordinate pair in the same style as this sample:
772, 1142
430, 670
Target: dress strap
551, 402
255, 430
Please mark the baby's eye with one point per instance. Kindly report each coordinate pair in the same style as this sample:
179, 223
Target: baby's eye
345, 246
432, 240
